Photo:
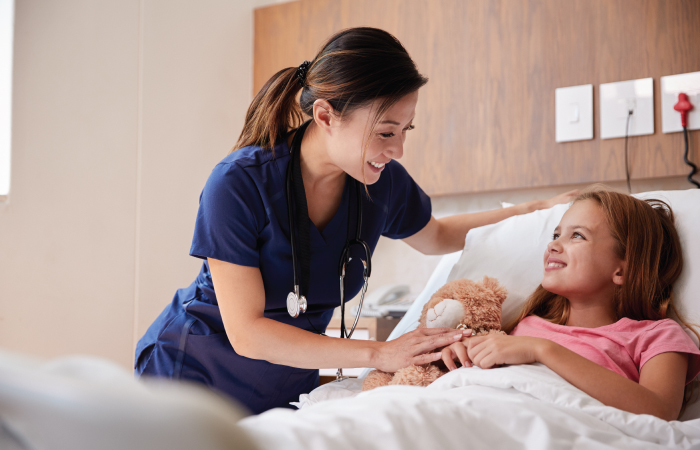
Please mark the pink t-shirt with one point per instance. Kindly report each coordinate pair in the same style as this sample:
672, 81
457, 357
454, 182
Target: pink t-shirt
623, 347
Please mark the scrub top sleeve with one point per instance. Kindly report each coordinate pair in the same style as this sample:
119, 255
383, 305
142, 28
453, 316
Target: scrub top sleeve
409, 207
230, 217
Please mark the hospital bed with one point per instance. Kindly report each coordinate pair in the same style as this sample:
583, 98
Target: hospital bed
526, 406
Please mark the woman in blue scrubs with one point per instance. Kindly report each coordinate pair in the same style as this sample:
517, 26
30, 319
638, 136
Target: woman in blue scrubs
230, 328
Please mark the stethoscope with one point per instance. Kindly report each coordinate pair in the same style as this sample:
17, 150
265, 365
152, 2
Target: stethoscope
296, 300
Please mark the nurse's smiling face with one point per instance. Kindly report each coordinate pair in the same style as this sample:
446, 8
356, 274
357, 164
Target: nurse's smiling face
348, 137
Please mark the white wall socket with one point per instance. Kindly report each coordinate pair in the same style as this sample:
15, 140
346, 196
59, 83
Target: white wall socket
671, 86
617, 99
573, 113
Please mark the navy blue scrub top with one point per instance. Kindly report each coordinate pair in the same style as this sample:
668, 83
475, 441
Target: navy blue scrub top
242, 219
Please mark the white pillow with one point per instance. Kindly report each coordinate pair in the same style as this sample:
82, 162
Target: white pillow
512, 251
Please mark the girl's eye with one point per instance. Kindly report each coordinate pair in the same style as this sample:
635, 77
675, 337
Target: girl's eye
555, 236
579, 235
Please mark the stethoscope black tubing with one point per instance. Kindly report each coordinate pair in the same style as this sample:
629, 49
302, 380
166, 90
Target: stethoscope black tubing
292, 238
344, 258
296, 186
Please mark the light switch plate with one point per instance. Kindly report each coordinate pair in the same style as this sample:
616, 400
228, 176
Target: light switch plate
616, 99
689, 83
574, 113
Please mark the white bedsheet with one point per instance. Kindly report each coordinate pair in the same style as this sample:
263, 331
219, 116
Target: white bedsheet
512, 407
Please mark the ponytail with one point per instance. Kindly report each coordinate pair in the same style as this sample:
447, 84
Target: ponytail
273, 111
354, 68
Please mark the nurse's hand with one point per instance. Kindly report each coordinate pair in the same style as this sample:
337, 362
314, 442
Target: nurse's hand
413, 348
566, 197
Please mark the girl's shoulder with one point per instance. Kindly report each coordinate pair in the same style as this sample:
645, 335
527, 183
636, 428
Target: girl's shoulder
641, 326
624, 325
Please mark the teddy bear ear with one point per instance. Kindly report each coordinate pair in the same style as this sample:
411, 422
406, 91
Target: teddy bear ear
493, 285
424, 314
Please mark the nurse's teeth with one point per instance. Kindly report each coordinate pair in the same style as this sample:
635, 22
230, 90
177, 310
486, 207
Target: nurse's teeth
556, 265
378, 166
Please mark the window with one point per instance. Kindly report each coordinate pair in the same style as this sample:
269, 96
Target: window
6, 33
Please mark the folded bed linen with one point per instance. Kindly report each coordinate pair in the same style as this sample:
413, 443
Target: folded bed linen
512, 407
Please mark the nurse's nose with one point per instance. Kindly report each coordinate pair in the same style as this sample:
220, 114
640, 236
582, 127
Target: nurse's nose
396, 150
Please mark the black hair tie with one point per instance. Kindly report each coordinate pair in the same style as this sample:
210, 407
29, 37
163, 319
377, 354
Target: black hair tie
301, 72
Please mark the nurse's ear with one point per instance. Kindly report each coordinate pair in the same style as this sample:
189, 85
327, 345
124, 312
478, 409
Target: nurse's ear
324, 115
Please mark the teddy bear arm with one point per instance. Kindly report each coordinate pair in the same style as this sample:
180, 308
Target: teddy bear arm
376, 378
417, 375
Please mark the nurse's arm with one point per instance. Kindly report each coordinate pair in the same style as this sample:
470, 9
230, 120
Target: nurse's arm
241, 296
446, 235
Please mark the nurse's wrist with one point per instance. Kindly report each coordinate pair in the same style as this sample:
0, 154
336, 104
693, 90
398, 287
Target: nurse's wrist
373, 354
530, 206
536, 205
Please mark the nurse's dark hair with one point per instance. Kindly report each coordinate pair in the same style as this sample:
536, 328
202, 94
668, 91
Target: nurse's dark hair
646, 239
353, 68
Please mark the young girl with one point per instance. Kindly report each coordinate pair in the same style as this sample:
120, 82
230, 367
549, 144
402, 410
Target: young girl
599, 318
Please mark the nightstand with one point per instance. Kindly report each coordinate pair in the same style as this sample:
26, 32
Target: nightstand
372, 328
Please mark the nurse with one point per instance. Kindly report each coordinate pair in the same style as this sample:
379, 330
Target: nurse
230, 329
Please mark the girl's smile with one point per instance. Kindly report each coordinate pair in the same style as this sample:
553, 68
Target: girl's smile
581, 263
554, 264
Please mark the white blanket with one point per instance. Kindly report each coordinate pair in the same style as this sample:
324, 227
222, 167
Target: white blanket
512, 407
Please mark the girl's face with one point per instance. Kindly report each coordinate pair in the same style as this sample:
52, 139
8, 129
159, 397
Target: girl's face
386, 142
580, 263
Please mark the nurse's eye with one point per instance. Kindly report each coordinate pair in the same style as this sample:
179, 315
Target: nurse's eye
390, 135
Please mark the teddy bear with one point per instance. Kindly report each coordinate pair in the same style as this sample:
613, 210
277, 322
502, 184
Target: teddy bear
461, 304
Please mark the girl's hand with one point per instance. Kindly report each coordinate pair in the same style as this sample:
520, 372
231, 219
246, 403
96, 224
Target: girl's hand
495, 349
413, 348
458, 350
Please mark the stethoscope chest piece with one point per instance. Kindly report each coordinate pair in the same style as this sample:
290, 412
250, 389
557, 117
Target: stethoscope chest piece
296, 303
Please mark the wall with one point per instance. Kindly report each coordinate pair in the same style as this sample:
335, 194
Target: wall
120, 111
485, 120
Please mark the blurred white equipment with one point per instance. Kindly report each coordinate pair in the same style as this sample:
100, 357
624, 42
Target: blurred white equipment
81, 403
386, 300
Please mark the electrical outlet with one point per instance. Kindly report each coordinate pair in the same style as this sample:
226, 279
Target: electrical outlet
671, 86
617, 99
573, 113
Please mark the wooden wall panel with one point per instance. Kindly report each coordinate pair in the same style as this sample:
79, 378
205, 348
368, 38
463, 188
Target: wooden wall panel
485, 121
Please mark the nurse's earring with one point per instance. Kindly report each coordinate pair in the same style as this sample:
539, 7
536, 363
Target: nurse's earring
323, 114
296, 303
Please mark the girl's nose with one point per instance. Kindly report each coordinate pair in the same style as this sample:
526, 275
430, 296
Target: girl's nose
554, 247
